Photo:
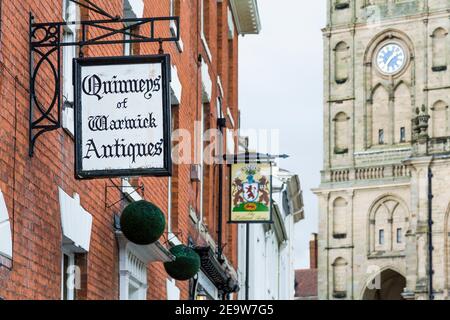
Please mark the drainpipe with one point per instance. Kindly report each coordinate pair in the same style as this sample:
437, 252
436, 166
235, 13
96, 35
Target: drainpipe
221, 123
430, 235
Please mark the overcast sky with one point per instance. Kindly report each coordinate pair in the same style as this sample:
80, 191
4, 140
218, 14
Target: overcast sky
280, 74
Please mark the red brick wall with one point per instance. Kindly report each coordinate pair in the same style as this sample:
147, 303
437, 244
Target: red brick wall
30, 185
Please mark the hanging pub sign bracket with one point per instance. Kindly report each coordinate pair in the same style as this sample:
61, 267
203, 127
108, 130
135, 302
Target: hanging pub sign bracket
45, 62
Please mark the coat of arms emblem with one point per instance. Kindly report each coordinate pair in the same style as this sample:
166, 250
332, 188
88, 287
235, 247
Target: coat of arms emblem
251, 190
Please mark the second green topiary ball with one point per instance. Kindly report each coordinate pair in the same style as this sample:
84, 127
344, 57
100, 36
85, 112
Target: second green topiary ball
186, 264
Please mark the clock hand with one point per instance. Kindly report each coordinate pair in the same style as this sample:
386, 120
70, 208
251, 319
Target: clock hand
390, 59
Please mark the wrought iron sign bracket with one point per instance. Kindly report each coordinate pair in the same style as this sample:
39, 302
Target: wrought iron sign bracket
45, 62
135, 189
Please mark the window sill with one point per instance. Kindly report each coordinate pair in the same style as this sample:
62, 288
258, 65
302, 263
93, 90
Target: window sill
205, 45
341, 6
341, 81
174, 31
439, 68
340, 294
340, 151
68, 121
386, 255
5, 262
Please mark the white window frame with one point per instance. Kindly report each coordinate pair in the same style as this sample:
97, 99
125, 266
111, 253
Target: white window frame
207, 286
133, 275
127, 47
70, 13
64, 271
173, 292
173, 26
202, 158
202, 29
230, 20
381, 237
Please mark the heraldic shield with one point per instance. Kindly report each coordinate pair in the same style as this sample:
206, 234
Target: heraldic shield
251, 192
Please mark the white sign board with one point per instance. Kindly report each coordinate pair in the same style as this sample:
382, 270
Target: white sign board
122, 116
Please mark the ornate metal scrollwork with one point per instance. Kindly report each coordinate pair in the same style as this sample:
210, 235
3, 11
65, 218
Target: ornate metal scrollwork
42, 114
46, 41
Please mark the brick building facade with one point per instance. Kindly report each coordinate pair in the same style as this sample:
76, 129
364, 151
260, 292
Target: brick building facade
40, 192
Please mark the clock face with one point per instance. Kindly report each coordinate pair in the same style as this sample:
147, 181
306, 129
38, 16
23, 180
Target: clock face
391, 58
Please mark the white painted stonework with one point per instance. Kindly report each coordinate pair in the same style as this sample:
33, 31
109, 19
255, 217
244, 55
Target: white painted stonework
76, 223
133, 261
173, 292
5, 230
272, 246
133, 8
373, 196
206, 83
175, 87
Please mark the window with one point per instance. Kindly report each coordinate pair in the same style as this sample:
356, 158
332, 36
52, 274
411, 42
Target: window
341, 131
339, 278
388, 221
402, 106
76, 226
204, 167
339, 219
133, 273
381, 136
68, 273
204, 25
399, 235
381, 237
342, 62
174, 11
402, 134
439, 119
439, 47
69, 53
381, 115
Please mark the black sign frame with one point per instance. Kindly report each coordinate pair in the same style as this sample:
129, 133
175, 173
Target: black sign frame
166, 171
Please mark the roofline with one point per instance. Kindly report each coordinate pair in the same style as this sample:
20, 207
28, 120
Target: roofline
246, 16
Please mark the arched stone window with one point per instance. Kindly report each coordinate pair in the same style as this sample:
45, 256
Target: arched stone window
342, 62
341, 133
340, 278
381, 119
439, 119
339, 218
388, 223
403, 111
439, 47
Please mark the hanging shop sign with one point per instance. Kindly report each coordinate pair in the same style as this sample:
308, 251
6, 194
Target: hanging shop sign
251, 193
122, 116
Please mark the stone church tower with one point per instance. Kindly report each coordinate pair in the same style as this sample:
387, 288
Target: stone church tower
387, 151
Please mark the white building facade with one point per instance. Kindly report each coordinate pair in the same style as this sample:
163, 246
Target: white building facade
271, 246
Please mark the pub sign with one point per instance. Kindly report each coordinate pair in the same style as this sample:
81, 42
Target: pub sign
122, 116
251, 193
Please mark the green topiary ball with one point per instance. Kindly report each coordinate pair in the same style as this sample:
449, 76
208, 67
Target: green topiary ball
142, 222
186, 264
